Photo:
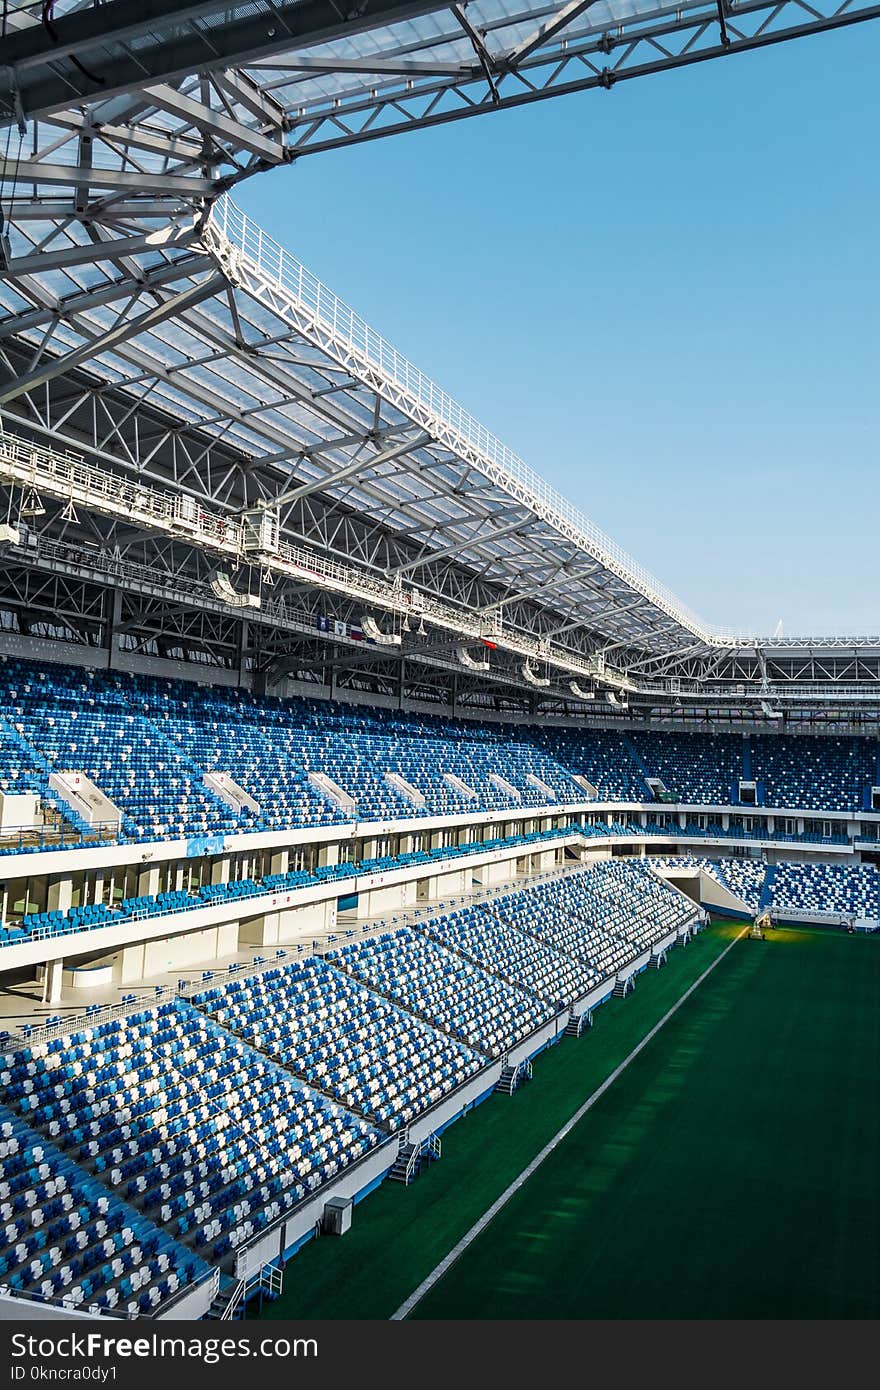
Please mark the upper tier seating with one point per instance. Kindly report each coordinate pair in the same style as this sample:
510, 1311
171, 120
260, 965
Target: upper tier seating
602, 756
343, 1039
815, 774
693, 767
188, 1124
148, 743
65, 1238
80, 721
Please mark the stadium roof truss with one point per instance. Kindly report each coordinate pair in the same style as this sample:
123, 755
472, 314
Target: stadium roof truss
182, 399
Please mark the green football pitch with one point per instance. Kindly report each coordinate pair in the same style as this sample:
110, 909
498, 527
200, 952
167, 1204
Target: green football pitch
731, 1170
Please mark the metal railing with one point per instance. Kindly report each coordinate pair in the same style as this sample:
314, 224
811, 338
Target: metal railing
57, 836
255, 888
267, 1279
69, 477
65, 1303
275, 263
38, 465
320, 944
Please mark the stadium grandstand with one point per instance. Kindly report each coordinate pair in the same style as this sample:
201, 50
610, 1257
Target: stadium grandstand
346, 769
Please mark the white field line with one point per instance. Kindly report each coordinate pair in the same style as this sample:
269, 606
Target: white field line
479, 1226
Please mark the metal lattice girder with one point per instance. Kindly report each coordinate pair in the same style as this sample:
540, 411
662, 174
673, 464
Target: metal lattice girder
277, 355
128, 44
333, 63
419, 482
81, 484
157, 108
129, 121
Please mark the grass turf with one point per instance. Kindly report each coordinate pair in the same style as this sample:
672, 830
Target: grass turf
731, 1171
399, 1234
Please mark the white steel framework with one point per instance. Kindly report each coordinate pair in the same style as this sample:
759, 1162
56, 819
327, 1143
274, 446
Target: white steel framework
206, 379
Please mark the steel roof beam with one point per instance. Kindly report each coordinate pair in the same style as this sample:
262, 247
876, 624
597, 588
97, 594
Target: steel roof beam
545, 32
126, 328
213, 123
104, 294
178, 236
34, 171
484, 538
41, 75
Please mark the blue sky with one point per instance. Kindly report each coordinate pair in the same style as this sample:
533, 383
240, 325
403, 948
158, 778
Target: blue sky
665, 298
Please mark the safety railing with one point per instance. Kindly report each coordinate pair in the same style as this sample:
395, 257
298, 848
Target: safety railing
254, 888
276, 264
56, 836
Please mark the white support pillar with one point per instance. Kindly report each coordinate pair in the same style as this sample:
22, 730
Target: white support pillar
130, 964
148, 881
60, 894
220, 871
261, 931
52, 973
280, 862
226, 940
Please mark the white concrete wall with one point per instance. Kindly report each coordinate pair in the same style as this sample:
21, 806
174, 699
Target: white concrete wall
457, 1104
24, 1310
529, 1046
194, 948
714, 894
286, 1234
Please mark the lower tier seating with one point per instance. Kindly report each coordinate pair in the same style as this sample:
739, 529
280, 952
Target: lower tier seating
850, 889
447, 991
191, 1126
65, 1238
343, 1039
480, 935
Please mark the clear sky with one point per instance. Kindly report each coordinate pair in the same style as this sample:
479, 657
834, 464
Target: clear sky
665, 298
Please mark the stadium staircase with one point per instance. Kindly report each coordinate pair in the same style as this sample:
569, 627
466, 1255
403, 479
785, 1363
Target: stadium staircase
43, 771
644, 770
623, 987
747, 760
233, 1295
577, 1023
767, 887
412, 1157
513, 1077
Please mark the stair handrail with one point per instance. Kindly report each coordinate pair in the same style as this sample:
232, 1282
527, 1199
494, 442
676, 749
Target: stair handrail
269, 1278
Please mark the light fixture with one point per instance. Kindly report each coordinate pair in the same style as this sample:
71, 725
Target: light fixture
467, 660
222, 587
532, 676
370, 628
